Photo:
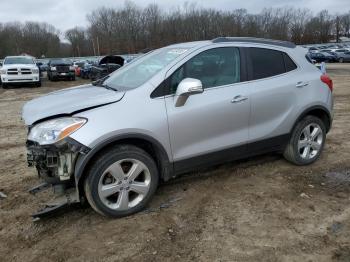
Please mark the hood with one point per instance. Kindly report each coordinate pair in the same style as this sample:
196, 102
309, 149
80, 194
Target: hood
29, 66
68, 101
112, 59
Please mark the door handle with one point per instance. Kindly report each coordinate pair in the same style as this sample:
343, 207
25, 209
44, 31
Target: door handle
301, 84
238, 99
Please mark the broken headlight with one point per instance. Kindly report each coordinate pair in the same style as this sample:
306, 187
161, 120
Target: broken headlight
52, 131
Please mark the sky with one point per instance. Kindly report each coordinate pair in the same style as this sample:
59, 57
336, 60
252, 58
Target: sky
66, 14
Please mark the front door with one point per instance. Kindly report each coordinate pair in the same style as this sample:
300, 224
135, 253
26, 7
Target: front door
206, 128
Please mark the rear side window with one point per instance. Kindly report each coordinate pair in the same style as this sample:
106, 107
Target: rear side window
288, 62
266, 63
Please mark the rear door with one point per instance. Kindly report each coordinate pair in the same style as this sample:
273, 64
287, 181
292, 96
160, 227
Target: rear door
274, 81
208, 125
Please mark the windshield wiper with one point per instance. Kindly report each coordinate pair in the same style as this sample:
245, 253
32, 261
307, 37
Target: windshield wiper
100, 83
107, 87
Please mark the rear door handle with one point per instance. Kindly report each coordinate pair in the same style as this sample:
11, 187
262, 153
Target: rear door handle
301, 84
238, 99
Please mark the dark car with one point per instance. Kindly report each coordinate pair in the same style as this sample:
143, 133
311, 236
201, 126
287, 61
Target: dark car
330, 56
318, 57
60, 69
85, 71
344, 57
107, 65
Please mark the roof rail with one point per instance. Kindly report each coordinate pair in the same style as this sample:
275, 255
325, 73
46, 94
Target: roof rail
254, 40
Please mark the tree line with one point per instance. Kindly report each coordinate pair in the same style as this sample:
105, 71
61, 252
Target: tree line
131, 29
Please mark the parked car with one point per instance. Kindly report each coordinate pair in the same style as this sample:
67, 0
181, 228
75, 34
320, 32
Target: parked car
330, 56
340, 51
318, 57
85, 71
19, 70
60, 69
313, 49
78, 66
106, 65
344, 57
177, 109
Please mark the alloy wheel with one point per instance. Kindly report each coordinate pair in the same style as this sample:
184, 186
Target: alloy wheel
124, 184
310, 141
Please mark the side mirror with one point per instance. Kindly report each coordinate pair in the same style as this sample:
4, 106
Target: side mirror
187, 87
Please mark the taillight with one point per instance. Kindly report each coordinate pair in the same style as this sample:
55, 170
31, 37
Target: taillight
328, 81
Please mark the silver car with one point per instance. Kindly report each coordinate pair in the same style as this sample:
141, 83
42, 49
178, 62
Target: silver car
179, 108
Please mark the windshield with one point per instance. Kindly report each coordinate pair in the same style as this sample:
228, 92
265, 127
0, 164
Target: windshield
140, 70
18, 60
60, 62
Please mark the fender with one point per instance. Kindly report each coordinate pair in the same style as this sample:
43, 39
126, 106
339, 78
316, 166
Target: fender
83, 160
310, 109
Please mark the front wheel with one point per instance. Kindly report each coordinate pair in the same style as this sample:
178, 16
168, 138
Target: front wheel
306, 142
121, 181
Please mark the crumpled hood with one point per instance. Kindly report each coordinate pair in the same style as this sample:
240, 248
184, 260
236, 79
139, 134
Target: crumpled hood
68, 101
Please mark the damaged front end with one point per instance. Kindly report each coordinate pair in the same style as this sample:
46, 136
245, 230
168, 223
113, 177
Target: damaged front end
55, 163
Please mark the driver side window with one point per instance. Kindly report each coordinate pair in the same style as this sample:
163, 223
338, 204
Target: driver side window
214, 67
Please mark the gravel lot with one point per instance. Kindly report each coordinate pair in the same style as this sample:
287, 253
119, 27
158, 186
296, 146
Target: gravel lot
261, 209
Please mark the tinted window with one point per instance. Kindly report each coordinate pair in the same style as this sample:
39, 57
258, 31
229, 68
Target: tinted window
215, 67
266, 63
288, 62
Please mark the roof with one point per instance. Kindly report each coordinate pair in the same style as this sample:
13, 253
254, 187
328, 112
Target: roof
254, 40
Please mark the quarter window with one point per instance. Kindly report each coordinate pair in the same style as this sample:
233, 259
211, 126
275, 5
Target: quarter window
214, 67
267, 62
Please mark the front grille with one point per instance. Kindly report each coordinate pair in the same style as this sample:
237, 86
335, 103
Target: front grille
21, 71
26, 71
12, 71
62, 69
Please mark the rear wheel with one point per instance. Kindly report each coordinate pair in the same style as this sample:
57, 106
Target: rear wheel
121, 181
307, 141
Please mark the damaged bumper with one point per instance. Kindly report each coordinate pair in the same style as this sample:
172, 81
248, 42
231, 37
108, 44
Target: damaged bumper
55, 163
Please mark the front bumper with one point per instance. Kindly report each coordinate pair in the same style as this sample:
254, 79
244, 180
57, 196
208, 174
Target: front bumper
55, 163
28, 78
62, 75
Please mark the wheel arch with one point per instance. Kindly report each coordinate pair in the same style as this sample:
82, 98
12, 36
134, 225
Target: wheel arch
145, 142
318, 111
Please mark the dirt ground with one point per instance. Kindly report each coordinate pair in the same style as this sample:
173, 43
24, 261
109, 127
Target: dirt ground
261, 209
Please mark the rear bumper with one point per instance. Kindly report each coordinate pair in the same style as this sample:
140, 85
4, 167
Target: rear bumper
30, 78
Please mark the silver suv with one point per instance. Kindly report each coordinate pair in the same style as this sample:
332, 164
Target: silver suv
176, 109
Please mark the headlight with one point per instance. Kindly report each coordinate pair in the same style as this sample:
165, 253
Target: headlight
71, 68
52, 131
3, 72
53, 68
35, 71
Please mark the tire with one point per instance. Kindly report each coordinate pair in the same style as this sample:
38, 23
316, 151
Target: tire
73, 78
303, 149
341, 60
38, 84
4, 86
120, 160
